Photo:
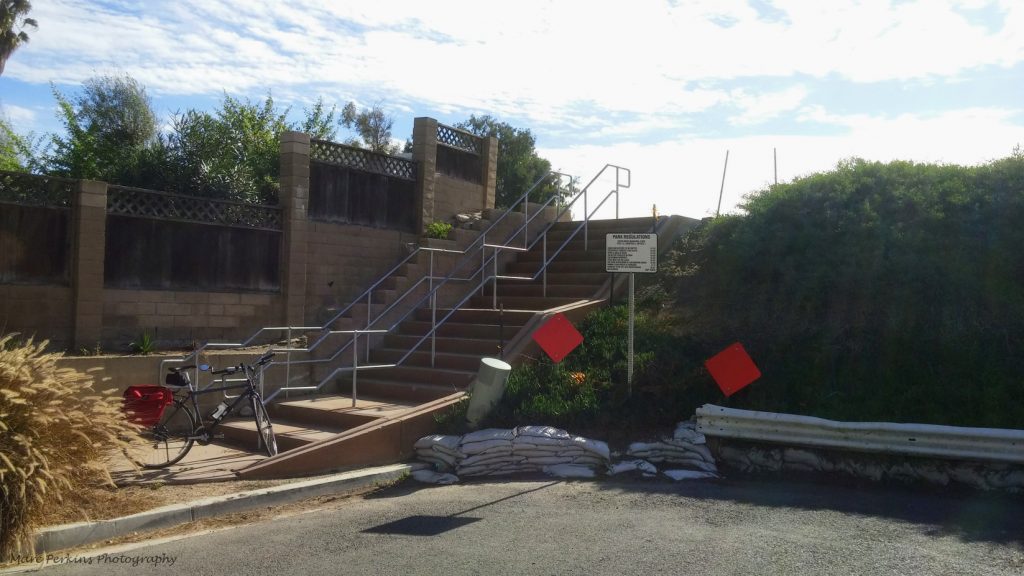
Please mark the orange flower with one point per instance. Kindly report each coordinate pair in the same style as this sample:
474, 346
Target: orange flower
578, 377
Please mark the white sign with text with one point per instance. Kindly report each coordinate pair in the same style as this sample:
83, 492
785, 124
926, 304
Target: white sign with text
631, 253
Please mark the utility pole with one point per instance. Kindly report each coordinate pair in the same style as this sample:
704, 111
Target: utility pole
722, 189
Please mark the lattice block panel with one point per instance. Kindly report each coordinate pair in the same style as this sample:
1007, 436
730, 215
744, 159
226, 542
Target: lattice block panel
454, 138
152, 204
350, 157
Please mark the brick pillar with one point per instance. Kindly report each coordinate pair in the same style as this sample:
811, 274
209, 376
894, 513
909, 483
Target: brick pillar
489, 178
294, 200
89, 222
424, 152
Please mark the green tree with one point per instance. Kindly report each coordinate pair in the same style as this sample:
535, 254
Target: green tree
519, 166
108, 125
373, 127
13, 21
16, 153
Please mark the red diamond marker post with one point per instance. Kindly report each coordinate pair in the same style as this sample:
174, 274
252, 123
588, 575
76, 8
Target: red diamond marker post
557, 337
732, 369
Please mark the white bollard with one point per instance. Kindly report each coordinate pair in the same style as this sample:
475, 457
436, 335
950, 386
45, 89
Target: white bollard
486, 389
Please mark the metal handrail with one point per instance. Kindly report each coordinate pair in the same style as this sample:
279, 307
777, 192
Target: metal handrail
326, 332
431, 296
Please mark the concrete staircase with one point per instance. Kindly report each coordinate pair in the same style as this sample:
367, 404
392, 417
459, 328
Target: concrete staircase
325, 431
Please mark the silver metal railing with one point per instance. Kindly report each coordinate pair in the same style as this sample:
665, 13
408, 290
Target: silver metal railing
434, 285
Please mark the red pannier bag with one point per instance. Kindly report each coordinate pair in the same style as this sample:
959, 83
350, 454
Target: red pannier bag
143, 405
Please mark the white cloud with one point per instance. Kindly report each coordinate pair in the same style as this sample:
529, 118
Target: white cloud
528, 59
20, 117
758, 108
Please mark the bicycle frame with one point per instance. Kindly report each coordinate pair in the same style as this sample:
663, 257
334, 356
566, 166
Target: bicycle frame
192, 397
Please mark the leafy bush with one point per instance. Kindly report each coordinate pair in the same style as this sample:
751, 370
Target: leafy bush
871, 292
439, 230
55, 436
587, 391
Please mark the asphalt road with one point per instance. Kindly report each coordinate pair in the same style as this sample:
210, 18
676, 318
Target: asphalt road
542, 526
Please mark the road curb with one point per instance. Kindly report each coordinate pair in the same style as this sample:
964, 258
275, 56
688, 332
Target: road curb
82, 533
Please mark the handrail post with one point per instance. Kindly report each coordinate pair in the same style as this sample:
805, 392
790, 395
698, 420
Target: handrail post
544, 273
586, 218
494, 282
355, 364
526, 230
483, 264
288, 363
433, 311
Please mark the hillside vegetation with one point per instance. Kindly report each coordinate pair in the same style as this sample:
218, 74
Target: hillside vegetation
872, 292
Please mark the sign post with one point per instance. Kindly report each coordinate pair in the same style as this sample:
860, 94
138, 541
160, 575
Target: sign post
631, 253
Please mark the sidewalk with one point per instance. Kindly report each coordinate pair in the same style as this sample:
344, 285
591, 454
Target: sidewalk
210, 466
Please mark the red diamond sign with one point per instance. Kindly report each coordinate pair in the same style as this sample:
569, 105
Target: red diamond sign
557, 337
732, 369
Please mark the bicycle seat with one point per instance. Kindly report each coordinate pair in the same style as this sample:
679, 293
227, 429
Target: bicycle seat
177, 377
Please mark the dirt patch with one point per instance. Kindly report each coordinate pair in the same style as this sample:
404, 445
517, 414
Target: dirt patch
106, 502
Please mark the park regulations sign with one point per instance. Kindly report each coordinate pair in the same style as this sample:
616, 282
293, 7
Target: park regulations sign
631, 253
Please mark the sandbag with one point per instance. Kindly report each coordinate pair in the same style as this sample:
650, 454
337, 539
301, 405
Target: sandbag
688, 474
431, 477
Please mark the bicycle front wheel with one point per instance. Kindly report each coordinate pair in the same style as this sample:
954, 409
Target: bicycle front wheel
263, 426
168, 441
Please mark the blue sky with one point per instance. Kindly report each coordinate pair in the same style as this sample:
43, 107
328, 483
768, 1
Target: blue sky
662, 87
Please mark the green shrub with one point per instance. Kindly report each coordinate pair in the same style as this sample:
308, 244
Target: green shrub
587, 391
56, 434
871, 292
439, 230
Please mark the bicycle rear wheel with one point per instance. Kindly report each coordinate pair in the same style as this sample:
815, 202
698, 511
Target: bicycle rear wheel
168, 441
263, 426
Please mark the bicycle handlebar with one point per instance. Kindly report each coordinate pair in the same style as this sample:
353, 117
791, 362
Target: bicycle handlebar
227, 371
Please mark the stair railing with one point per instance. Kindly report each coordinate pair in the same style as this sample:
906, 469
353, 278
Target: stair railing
431, 296
325, 329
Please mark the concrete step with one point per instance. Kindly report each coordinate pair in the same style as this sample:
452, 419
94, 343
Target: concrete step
558, 266
480, 315
536, 289
409, 374
571, 255
641, 224
336, 410
289, 435
380, 386
460, 330
481, 346
525, 302
576, 278
421, 358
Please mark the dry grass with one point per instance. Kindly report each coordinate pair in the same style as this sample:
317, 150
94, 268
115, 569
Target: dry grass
56, 433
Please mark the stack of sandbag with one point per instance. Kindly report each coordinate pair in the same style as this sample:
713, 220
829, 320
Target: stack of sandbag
495, 452
441, 452
686, 450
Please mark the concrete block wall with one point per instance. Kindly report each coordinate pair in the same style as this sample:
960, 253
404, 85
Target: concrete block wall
180, 318
441, 197
454, 196
344, 260
323, 265
41, 311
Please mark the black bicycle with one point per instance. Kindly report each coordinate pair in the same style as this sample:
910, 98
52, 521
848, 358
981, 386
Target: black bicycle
180, 424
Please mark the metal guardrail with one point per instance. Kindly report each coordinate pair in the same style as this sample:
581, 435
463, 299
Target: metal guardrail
926, 440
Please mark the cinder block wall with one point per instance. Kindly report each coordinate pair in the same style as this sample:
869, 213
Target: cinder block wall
323, 265
344, 260
39, 311
184, 317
